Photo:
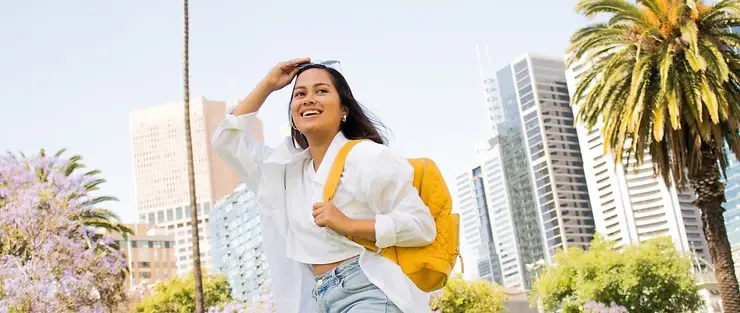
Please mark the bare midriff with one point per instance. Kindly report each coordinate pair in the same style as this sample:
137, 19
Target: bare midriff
321, 269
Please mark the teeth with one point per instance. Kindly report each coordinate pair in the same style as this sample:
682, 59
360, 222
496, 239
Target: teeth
311, 112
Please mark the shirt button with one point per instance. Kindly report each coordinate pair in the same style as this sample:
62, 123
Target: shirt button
319, 282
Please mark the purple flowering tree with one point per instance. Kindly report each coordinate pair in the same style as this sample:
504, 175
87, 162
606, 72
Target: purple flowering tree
264, 304
50, 260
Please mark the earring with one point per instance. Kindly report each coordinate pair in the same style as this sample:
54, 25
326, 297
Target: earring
344, 118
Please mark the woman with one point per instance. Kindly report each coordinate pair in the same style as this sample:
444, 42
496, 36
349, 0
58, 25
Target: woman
314, 267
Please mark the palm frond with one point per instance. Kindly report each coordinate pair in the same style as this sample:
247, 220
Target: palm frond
60, 152
722, 9
666, 80
624, 11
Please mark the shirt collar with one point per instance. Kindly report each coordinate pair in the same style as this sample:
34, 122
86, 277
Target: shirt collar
331, 153
287, 153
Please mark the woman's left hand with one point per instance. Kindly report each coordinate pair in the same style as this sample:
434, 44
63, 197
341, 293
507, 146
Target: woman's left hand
328, 215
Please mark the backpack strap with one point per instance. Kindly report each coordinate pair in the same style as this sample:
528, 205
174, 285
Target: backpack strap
337, 168
332, 182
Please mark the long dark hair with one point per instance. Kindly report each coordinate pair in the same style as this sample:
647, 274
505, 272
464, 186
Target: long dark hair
360, 124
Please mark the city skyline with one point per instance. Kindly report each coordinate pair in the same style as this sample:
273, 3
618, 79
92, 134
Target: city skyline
114, 58
160, 173
471, 86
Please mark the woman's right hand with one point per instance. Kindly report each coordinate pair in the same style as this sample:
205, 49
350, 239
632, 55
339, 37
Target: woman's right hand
282, 74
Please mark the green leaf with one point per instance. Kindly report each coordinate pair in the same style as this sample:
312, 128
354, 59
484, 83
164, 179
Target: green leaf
709, 98
690, 33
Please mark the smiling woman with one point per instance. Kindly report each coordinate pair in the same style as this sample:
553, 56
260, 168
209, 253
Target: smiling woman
320, 88
315, 267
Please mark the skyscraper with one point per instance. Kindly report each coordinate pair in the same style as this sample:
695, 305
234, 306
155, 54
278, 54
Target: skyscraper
477, 245
237, 244
530, 214
553, 152
160, 171
632, 206
512, 207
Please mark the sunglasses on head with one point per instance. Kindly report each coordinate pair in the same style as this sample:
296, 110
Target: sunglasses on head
329, 63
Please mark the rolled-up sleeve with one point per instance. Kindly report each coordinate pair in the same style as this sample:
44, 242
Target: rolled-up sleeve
404, 219
238, 140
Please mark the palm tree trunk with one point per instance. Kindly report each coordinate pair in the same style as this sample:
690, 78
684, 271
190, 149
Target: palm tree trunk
710, 191
199, 306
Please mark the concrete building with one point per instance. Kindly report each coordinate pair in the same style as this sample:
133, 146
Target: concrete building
561, 193
732, 197
511, 205
160, 172
632, 206
525, 196
150, 255
732, 205
236, 243
477, 244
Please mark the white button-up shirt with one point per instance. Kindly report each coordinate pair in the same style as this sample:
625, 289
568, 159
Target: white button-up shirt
376, 184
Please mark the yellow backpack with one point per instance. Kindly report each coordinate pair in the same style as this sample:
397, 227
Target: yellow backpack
429, 266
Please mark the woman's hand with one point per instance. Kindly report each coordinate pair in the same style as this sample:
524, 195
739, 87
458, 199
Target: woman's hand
277, 78
328, 215
282, 74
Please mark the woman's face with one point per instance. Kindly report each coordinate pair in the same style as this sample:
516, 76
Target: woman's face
315, 106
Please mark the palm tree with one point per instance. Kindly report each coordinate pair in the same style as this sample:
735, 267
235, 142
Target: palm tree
98, 218
664, 79
199, 306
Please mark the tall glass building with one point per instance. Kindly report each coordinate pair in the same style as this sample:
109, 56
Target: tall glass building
732, 195
477, 244
530, 214
553, 152
732, 207
236, 243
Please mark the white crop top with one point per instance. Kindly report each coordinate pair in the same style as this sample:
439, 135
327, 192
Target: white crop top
307, 242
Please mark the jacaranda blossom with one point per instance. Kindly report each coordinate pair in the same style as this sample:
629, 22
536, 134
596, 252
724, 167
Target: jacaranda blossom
49, 261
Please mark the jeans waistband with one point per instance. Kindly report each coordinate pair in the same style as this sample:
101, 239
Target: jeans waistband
344, 269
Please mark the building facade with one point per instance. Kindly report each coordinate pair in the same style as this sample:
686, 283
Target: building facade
150, 255
236, 243
553, 152
512, 207
732, 197
630, 205
527, 186
160, 172
477, 245
732, 205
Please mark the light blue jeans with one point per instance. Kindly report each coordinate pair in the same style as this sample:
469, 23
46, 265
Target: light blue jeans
346, 289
